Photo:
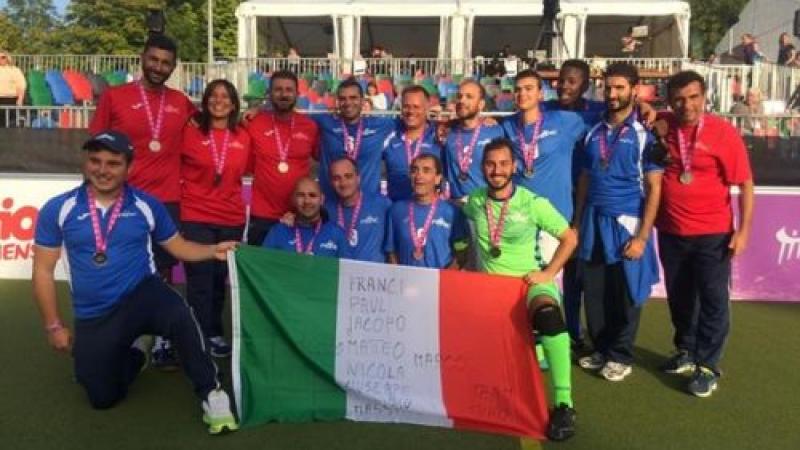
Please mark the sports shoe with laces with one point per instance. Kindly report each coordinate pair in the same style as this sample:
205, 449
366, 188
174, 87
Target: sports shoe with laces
142, 344
562, 423
704, 382
592, 362
680, 362
217, 412
164, 355
615, 371
219, 347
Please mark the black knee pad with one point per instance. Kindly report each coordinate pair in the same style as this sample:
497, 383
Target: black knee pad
547, 320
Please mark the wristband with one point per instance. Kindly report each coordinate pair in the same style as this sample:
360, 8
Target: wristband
54, 326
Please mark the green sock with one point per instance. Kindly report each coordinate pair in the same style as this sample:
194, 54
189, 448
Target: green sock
556, 349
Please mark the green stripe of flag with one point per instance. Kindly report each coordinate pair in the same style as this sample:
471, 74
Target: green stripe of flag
283, 337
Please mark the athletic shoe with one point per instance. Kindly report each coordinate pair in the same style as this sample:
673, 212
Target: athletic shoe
142, 344
592, 362
219, 347
704, 382
614, 371
217, 412
679, 363
164, 356
562, 423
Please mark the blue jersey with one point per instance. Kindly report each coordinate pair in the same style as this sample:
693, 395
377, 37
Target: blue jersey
560, 132
457, 140
329, 242
367, 238
397, 164
591, 112
65, 221
447, 227
375, 132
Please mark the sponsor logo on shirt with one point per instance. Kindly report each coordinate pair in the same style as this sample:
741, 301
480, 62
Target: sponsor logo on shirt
440, 222
171, 109
516, 217
329, 245
548, 133
269, 133
369, 220
302, 136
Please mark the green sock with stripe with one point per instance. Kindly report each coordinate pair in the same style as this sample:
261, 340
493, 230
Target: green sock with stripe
557, 351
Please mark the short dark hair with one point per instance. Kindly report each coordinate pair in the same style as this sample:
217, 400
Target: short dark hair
682, 79
467, 81
349, 83
579, 65
283, 75
163, 42
344, 158
498, 144
204, 121
415, 89
529, 73
437, 163
624, 70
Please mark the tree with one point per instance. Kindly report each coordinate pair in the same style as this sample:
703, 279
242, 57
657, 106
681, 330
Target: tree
710, 21
10, 35
35, 20
225, 28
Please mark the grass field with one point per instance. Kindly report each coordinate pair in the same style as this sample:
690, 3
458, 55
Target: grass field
756, 407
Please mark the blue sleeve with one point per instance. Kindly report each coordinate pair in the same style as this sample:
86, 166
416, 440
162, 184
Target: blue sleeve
649, 161
165, 228
48, 233
388, 240
272, 239
460, 231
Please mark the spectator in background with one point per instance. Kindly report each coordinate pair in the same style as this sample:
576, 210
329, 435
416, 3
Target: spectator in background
787, 54
378, 99
630, 45
751, 106
12, 88
294, 59
750, 50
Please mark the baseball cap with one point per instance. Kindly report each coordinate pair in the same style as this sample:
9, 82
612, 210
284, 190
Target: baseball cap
111, 140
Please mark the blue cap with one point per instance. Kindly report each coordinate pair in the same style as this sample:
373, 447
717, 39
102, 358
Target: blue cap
111, 140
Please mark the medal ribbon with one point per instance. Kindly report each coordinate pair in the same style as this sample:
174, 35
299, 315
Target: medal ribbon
219, 157
298, 240
687, 151
283, 150
496, 229
530, 150
100, 241
419, 241
352, 150
155, 125
353, 218
607, 150
410, 155
465, 153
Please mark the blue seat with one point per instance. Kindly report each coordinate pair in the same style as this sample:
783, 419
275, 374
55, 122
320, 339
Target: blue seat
62, 94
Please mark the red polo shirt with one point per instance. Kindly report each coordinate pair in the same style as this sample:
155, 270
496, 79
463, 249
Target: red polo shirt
201, 200
719, 161
121, 108
272, 189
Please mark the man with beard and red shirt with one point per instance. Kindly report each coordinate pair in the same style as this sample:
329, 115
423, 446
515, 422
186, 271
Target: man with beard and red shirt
283, 144
152, 116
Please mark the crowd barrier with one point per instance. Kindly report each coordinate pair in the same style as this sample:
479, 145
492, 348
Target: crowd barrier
767, 271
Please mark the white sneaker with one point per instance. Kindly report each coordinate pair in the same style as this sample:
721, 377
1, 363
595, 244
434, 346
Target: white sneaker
592, 362
614, 371
217, 412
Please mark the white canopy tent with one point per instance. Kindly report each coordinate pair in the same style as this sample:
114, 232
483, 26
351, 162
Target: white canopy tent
668, 21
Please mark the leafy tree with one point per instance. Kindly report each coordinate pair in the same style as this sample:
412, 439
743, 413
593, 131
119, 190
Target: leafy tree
10, 35
225, 28
710, 21
35, 20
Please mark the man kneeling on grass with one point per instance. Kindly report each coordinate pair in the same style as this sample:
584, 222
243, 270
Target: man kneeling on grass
104, 227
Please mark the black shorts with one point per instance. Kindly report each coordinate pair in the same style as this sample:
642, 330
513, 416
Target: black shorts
163, 259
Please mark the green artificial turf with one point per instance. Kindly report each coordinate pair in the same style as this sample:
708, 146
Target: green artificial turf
756, 407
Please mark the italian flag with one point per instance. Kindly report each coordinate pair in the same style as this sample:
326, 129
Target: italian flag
324, 339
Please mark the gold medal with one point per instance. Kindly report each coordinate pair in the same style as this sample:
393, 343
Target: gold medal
686, 177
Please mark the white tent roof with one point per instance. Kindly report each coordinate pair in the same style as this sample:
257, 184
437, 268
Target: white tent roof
428, 8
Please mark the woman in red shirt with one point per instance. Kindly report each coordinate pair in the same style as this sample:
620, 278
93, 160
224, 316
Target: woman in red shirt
214, 157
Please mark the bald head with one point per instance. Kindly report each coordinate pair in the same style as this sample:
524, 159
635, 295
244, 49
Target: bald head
307, 199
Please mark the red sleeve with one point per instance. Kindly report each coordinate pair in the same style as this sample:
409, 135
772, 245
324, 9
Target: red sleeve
190, 108
314, 140
102, 114
735, 162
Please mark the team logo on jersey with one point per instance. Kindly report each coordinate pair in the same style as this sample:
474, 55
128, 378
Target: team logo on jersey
329, 245
440, 222
369, 220
548, 133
